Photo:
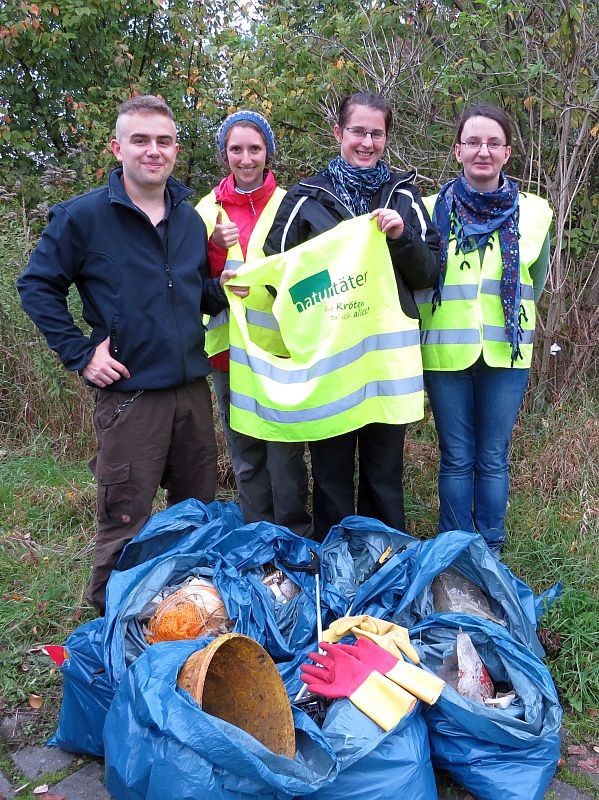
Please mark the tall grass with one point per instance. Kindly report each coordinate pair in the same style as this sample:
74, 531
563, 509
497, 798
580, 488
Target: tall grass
38, 399
554, 536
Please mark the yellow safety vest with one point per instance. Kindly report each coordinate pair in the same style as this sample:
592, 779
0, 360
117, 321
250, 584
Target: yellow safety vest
354, 356
469, 320
263, 326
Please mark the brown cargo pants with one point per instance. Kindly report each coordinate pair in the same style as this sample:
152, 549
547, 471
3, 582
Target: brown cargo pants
162, 437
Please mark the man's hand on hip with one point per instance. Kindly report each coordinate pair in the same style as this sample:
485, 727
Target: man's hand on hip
103, 369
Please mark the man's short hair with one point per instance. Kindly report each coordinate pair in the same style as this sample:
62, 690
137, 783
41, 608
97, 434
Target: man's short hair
144, 104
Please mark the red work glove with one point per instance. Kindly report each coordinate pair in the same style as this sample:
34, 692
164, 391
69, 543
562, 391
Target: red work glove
423, 685
339, 674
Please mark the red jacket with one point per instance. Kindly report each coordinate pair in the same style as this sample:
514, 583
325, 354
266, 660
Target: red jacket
243, 209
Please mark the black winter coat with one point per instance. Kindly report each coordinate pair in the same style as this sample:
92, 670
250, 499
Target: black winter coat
311, 207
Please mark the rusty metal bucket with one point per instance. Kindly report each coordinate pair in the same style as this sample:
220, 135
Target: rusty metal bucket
235, 679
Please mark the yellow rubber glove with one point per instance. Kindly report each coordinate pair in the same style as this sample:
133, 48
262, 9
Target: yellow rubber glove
392, 638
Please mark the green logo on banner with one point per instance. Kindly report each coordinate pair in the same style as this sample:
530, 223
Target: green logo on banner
314, 285
319, 287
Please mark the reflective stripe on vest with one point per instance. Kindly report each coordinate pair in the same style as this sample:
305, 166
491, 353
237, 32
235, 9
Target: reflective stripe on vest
469, 320
354, 356
388, 341
264, 327
284, 418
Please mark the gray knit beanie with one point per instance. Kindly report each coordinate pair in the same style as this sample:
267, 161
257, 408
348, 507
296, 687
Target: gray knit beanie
247, 116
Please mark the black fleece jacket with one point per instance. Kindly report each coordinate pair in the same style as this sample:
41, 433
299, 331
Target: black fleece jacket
147, 297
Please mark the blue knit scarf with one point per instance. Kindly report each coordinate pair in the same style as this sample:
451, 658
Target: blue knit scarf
356, 186
468, 218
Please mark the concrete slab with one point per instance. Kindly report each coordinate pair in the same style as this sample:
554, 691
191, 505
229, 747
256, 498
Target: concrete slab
448, 790
6, 789
85, 784
37, 760
563, 791
8, 727
11, 725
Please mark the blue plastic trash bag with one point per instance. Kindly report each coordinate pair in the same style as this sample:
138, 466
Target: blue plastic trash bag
128, 593
184, 527
86, 692
510, 753
287, 631
252, 547
401, 590
509, 597
349, 553
374, 764
160, 745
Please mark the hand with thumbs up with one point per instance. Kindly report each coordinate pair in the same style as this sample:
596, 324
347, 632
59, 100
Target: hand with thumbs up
225, 234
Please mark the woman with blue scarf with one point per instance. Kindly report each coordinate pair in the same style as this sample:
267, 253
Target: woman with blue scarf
358, 182
478, 323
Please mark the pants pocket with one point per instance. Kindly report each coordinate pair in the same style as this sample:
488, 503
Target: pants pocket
115, 496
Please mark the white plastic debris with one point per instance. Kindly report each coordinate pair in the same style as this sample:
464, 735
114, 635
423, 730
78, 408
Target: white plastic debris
474, 681
502, 700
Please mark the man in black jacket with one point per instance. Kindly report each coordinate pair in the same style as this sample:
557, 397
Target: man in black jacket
136, 251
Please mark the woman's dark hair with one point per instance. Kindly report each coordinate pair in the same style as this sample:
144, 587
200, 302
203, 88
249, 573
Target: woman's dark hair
486, 110
364, 99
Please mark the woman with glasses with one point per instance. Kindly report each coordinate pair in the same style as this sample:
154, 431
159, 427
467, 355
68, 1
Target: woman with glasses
478, 323
355, 182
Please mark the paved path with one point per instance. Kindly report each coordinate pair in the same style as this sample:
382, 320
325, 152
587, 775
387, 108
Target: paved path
73, 777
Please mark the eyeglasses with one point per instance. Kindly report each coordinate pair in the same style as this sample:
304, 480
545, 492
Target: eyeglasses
362, 133
476, 144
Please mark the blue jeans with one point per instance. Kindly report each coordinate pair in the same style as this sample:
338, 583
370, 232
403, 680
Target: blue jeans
475, 410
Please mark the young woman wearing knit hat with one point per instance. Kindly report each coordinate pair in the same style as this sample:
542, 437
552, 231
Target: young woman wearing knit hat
271, 477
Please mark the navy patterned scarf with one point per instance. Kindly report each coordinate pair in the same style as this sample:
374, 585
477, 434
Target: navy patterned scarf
356, 186
468, 218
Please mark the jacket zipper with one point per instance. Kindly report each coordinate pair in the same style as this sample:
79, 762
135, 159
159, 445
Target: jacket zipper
114, 341
168, 271
171, 287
